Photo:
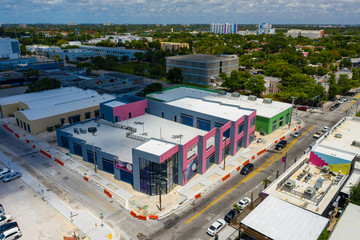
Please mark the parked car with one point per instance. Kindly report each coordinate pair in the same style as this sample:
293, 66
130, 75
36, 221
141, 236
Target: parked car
5, 219
4, 171
325, 129
281, 145
318, 134
297, 134
244, 202
247, 168
11, 234
11, 176
216, 227
337, 105
332, 108
2, 211
302, 108
8, 226
341, 101
231, 215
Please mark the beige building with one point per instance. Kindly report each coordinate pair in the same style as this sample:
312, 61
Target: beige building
49, 110
173, 46
203, 68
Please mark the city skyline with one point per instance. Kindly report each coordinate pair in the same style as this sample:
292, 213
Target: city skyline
180, 11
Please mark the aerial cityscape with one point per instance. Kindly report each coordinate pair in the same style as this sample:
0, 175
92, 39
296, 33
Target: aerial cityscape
142, 120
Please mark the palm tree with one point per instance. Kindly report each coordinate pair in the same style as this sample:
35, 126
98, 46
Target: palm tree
266, 182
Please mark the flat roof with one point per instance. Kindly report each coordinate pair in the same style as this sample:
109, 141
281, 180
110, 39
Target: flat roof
115, 103
203, 57
348, 225
114, 141
339, 153
322, 196
267, 110
349, 131
155, 146
278, 219
211, 108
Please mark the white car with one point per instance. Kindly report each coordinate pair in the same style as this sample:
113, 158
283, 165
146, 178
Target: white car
216, 227
296, 134
244, 202
325, 129
4, 171
5, 219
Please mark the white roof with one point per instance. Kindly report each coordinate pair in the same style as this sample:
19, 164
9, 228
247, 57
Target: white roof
156, 147
262, 109
114, 141
210, 108
348, 225
114, 103
278, 219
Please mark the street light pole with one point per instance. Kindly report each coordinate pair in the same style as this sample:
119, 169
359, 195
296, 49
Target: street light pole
94, 157
292, 108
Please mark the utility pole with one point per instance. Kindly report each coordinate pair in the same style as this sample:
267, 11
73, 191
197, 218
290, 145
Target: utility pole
94, 157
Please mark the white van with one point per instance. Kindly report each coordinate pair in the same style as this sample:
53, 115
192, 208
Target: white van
11, 234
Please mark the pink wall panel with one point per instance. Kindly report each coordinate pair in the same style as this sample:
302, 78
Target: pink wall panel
316, 160
207, 153
136, 109
169, 153
252, 129
186, 147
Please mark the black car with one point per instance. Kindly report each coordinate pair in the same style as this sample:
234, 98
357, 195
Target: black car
231, 215
247, 168
337, 105
8, 226
332, 108
281, 145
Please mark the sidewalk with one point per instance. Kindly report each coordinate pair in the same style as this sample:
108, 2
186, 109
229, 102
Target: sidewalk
81, 219
138, 204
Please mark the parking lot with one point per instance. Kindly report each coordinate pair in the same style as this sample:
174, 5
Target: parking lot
36, 219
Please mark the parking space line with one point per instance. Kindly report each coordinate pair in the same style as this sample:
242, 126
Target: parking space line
270, 161
100, 201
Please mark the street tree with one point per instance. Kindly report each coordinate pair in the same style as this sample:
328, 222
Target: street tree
256, 85
175, 75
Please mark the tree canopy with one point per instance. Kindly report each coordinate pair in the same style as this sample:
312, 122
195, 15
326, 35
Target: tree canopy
43, 84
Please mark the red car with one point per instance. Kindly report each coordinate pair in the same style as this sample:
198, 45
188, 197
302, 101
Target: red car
302, 108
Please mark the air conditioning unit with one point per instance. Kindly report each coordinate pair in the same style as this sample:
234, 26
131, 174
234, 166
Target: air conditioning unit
355, 143
252, 98
83, 130
267, 101
325, 169
310, 191
222, 92
289, 184
235, 95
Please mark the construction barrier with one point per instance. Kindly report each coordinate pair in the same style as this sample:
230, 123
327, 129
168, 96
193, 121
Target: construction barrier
58, 161
133, 214
9, 129
17, 135
253, 157
261, 152
141, 217
86, 178
27, 140
226, 177
45, 153
34, 146
238, 168
107, 193
276, 141
197, 195
154, 217
246, 162
282, 138
299, 127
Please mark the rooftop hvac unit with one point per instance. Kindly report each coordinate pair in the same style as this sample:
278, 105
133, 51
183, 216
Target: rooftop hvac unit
235, 95
267, 101
83, 130
318, 183
76, 130
252, 98
325, 169
310, 191
290, 184
222, 92
355, 143
338, 135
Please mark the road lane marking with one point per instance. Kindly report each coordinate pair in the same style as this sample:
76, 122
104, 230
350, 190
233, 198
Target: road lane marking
353, 101
256, 171
100, 201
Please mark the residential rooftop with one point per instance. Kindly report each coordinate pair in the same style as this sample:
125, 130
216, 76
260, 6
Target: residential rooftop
113, 140
278, 219
348, 225
262, 108
203, 57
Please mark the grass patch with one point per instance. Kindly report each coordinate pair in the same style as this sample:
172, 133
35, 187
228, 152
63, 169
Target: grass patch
128, 67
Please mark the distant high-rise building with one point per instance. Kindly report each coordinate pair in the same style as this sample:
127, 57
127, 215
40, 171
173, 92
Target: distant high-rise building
265, 28
9, 48
312, 34
107, 24
224, 28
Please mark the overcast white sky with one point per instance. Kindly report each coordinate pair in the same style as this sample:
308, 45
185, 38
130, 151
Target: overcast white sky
181, 11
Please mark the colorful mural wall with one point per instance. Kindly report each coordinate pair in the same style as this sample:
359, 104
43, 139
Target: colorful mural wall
336, 164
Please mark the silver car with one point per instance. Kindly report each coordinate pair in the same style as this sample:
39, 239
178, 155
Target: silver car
4, 171
11, 176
